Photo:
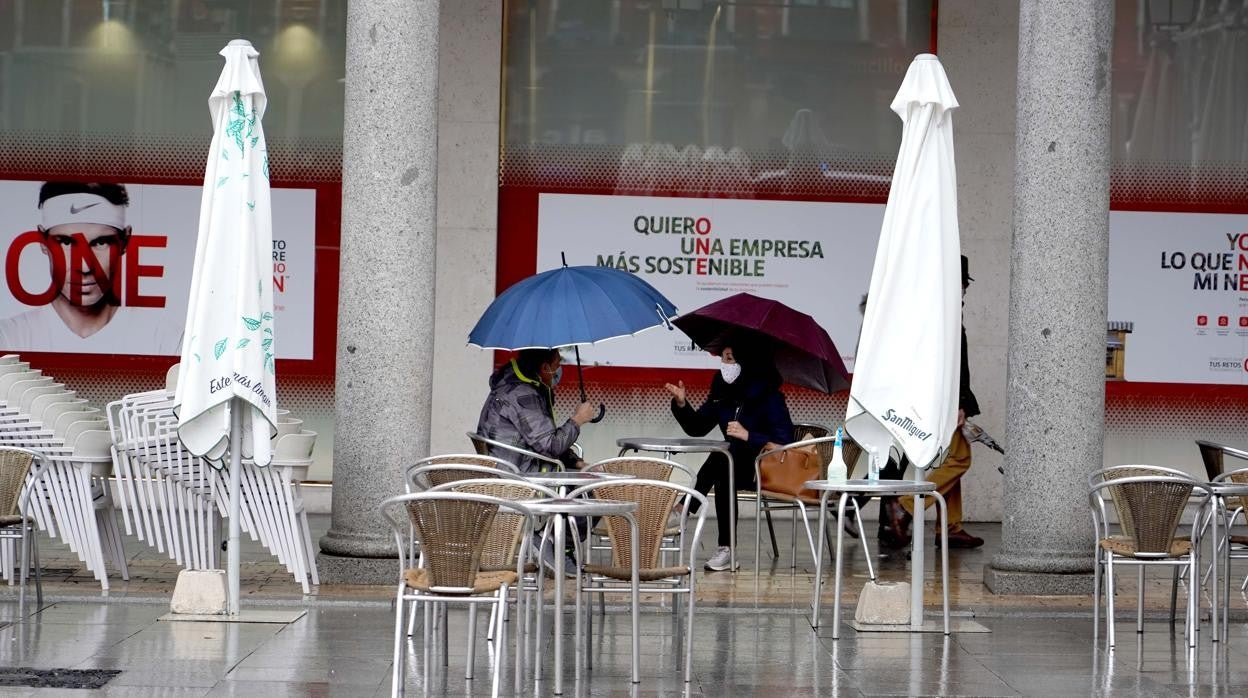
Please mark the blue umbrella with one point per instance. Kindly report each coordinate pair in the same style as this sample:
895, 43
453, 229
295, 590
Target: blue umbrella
571, 306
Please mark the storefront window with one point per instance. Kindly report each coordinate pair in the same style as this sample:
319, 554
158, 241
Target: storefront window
759, 98
120, 88
1180, 126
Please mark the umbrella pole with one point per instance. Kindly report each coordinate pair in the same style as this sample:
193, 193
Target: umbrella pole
580, 378
236, 468
918, 536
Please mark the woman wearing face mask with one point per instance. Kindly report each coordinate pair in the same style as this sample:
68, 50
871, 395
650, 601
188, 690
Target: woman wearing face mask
746, 404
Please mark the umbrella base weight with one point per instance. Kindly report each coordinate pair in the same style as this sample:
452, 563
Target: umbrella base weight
275, 617
200, 593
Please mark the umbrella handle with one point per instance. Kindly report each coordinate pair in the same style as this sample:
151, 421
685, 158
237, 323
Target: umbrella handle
602, 412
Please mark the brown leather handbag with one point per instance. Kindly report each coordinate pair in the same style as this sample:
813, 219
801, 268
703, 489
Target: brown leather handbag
787, 471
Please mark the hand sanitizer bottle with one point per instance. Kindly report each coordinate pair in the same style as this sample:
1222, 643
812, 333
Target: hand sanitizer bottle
836, 469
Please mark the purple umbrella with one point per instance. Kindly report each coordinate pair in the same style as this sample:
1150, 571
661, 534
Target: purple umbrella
804, 353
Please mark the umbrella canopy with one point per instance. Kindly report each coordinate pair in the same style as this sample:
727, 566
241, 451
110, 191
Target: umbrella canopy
225, 399
905, 389
804, 353
570, 306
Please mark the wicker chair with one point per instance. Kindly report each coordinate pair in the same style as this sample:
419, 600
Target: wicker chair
1239, 507
453, 529
824, 446
642, 468
491, 447
655, 500
20, 470
1149, 501
502, 549
424, 475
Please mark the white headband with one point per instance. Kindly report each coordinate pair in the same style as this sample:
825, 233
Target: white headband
81, 207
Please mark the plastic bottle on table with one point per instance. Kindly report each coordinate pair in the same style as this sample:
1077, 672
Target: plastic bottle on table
836, 469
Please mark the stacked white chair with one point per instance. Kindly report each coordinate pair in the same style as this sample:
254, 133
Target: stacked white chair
176, 502
72, 499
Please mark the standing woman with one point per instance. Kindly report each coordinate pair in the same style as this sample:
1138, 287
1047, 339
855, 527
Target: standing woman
746, 404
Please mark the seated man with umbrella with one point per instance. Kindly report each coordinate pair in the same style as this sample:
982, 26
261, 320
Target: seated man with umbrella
521, 410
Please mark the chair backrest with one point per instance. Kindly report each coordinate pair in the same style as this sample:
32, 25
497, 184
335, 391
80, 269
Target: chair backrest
9, 359
1212, 455
1149, 502
452, 528
640, 467
823, 446
288, 425
15, 465
295, 446
655, 500
171, 377
27, 400
512, 454
92, 443
423, 476
1238, 477
503, 542
73, 431
13, 396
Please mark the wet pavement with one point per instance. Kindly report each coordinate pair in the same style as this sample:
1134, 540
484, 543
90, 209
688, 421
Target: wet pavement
751, 637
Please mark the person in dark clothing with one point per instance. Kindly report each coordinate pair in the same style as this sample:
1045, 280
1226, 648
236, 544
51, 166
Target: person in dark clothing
948, 477
746, 404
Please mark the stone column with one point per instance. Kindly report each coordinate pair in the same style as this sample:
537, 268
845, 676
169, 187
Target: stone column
384, 360
1058, 297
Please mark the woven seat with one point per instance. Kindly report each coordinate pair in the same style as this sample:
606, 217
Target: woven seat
1120, 545
18, 471
483, 583
453, 529
13, 520
655, 500
1149, 501
625, 574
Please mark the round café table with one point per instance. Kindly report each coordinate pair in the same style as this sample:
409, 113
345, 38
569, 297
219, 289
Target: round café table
879, 488
670, 446
559, 510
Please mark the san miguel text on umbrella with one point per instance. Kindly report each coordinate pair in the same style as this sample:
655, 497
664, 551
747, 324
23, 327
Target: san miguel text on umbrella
907, 424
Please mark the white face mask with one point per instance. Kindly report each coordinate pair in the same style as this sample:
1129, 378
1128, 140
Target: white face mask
730, 372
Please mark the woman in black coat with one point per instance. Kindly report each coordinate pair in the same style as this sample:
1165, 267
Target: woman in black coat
746, 404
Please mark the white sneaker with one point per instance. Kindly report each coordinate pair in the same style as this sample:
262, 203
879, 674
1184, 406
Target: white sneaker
721, 560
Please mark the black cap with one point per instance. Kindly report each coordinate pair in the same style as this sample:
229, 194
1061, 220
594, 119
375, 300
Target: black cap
966, 274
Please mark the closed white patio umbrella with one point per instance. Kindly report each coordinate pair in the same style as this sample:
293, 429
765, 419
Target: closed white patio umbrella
904, 394
225, 398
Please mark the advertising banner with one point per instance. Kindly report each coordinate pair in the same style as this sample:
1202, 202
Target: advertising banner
106, 268
1178, 297
813, 256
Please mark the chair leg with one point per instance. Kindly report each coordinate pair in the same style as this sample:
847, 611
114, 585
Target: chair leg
428, 639
396, 685
771, 531
414, 608
792, 539
22, 572
1096, 597
500, 657
1174, 598
1109, 600
1139, 600
472, 639
445, 632
689, 633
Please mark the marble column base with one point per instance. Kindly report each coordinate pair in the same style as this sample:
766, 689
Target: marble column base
339, 569
1012, 583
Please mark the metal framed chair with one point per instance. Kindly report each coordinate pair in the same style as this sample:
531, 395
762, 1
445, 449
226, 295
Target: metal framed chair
453, 530
824, 446
1149, 502
21, 473
1213, 455
1238, 477
501, 552
655, 501
801, 431
491, 447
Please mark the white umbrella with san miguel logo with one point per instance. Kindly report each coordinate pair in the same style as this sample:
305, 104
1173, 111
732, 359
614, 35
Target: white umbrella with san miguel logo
904, 393
225, 398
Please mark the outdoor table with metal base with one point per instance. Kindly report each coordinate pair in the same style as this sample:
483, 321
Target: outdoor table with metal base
1220, 590
669, 447
881, 488
559, 510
